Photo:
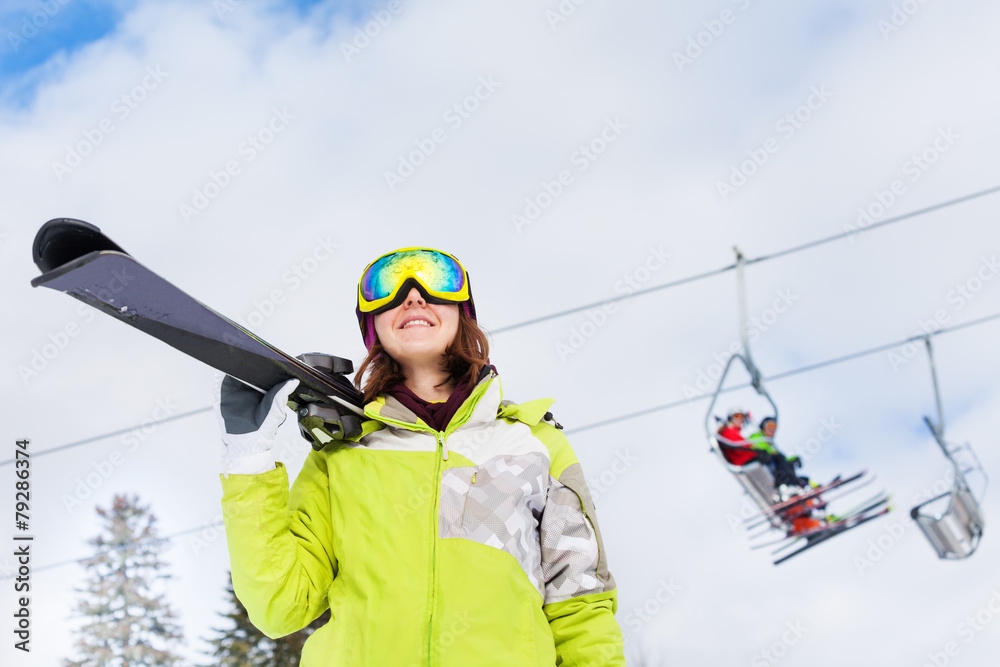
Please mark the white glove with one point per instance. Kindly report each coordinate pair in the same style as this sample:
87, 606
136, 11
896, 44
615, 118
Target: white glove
249, 422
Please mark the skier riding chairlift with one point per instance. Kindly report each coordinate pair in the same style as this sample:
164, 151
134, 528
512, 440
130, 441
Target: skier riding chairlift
740, 451
789, 507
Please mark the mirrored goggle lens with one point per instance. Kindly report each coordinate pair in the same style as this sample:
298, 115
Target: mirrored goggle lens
438, 272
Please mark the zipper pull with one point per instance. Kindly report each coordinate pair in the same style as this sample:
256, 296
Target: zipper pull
444, 446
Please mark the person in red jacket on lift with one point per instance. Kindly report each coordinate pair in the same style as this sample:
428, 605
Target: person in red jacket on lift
730, 436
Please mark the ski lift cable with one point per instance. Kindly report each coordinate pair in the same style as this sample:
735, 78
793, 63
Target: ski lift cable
117, 547
111, 434
755, 260
597, 304
122, 431
875, 225
631, 415
785, 374
655, 288
586, 427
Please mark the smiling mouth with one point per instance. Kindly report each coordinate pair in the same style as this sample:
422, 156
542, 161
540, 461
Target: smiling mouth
416, 323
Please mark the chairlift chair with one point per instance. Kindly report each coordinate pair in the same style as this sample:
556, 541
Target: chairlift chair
955, 532
755, 478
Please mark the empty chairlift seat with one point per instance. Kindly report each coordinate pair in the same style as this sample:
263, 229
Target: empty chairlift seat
955, 532
952, 522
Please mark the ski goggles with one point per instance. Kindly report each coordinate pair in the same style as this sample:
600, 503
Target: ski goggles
386, 281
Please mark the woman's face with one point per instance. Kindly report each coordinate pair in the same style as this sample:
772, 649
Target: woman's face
417, 332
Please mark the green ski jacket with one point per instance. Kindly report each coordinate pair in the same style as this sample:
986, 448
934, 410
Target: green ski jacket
762, 442
475, 546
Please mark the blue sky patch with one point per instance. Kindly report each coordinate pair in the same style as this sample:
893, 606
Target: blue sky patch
34, 32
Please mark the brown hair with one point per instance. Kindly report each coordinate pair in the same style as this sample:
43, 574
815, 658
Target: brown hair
464, 359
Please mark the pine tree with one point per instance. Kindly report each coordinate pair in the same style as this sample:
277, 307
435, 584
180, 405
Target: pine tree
127, 622
243, 645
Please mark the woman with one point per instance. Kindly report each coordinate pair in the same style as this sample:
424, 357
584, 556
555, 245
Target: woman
458, 530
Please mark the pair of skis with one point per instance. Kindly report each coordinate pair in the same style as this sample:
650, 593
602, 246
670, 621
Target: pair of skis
75, 257
830, 527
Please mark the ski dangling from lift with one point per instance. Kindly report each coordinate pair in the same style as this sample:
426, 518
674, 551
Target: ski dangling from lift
762, 518
839, 527
75, 257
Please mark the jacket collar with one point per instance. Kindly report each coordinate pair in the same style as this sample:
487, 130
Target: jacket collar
480, 408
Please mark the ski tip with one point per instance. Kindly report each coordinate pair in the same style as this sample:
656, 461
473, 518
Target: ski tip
62, 240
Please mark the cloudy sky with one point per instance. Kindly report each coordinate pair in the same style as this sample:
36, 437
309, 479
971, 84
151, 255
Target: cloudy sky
258, 155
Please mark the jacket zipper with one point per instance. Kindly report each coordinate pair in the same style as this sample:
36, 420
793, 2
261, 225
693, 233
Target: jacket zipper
434, 541
441, 440
440, 437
